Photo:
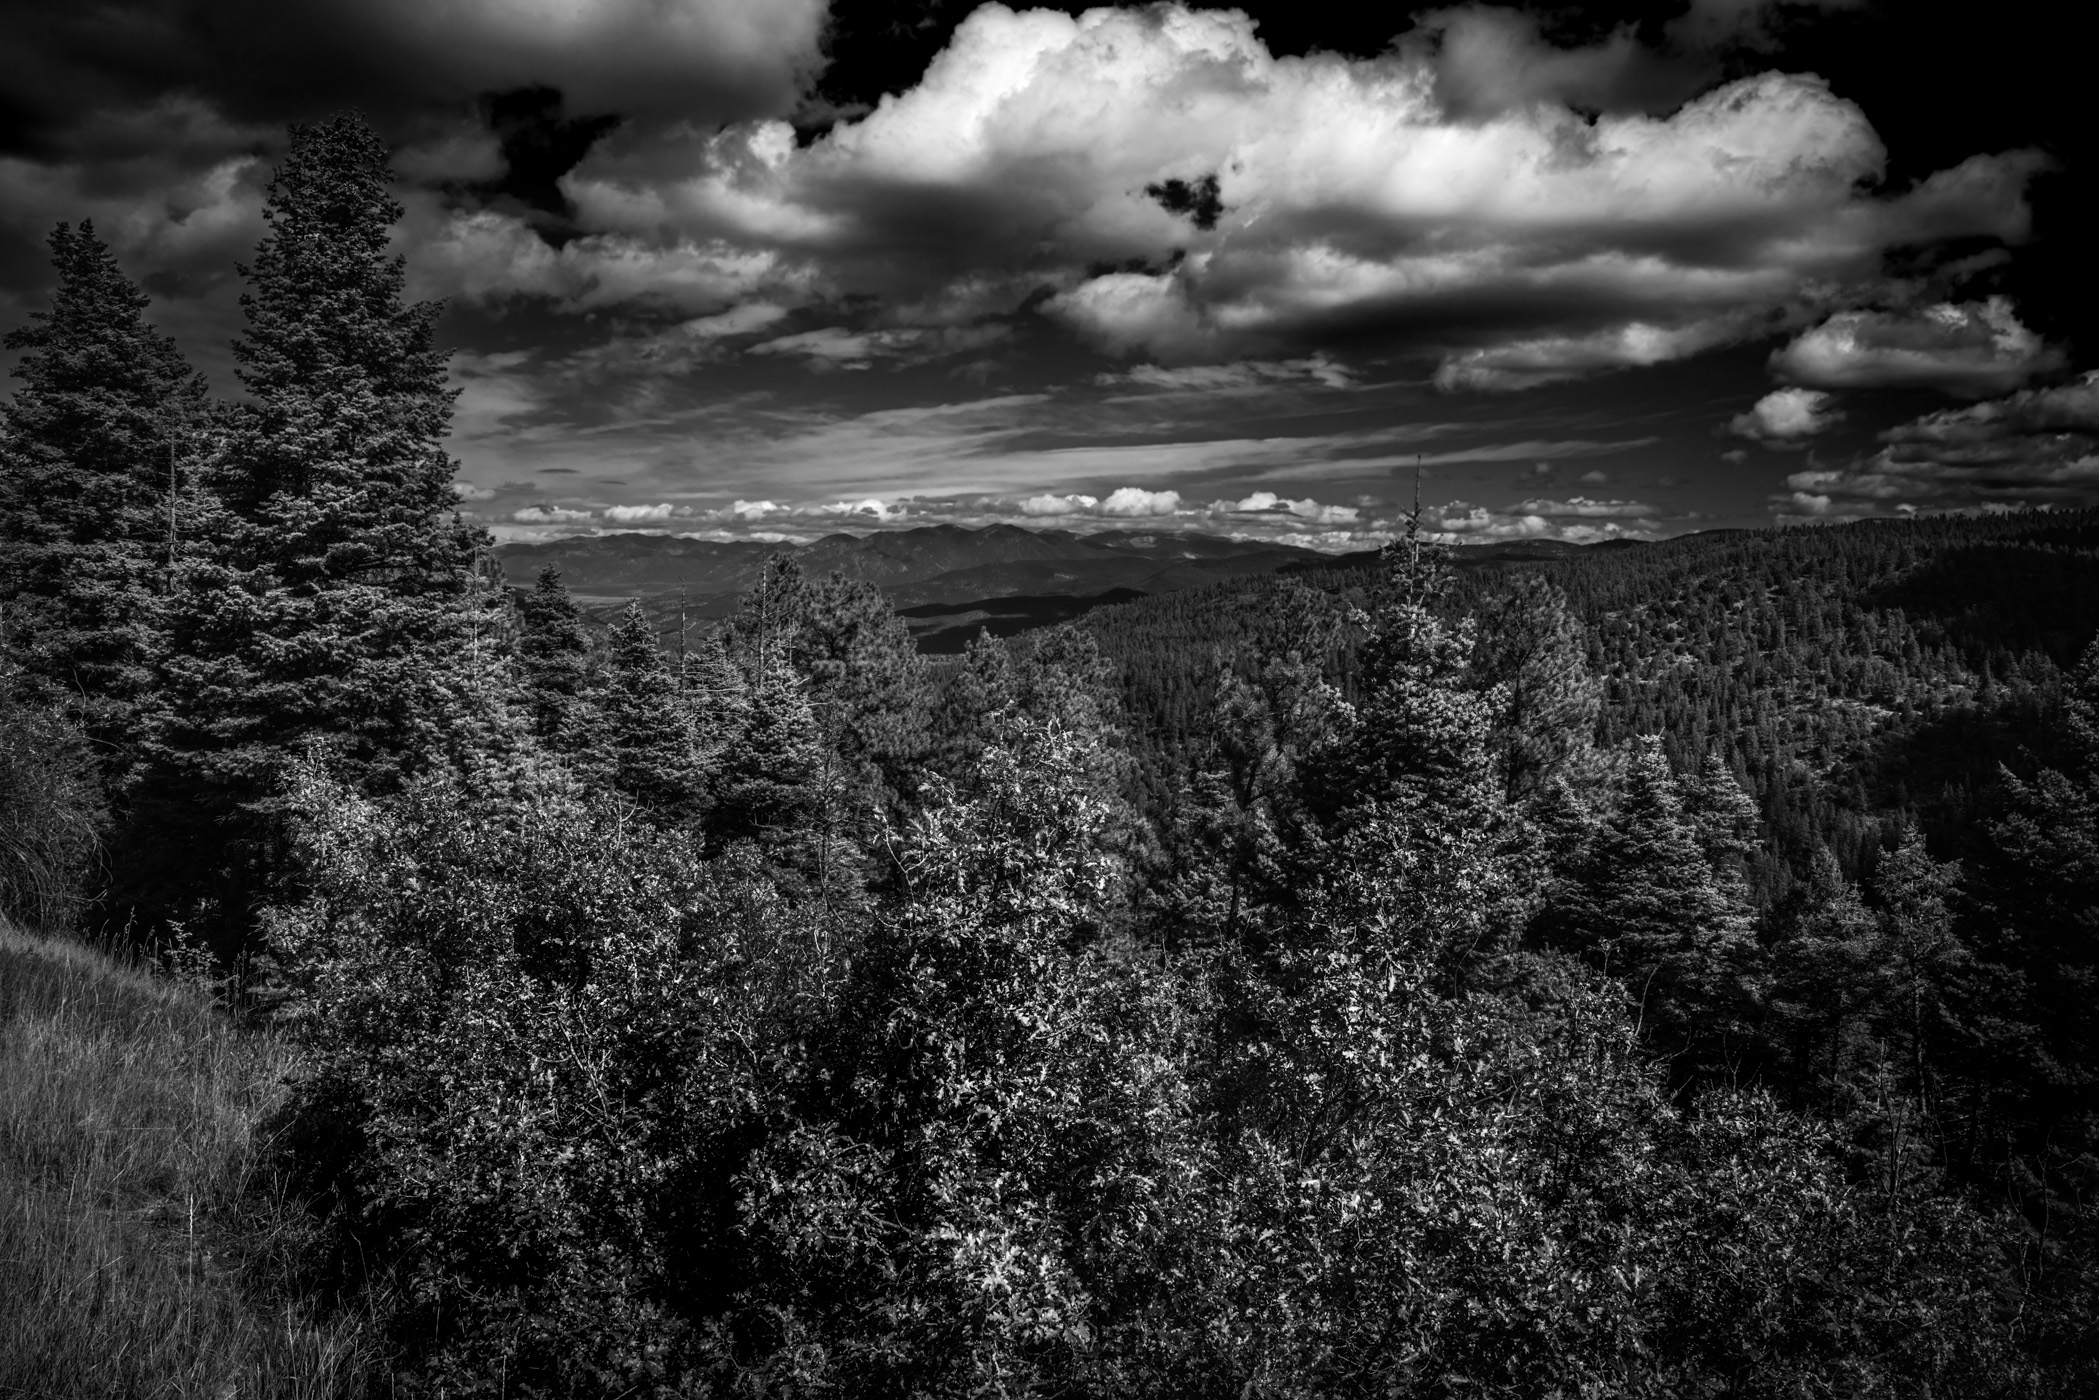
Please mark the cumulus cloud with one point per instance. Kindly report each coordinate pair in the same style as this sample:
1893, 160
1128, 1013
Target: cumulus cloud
1972, 349
2034, 447
634, 515
549, 515
1576, 521
1136, 501
1507, 234
1269, 503
1785, 418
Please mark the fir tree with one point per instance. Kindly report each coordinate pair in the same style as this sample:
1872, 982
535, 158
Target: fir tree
333, 590
554, 663
332, 598
1532, 651
1645, 905
867, 681
715, 697
93, 443
771, 782
644, 742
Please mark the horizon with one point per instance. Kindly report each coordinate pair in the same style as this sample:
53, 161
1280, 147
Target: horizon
760, 272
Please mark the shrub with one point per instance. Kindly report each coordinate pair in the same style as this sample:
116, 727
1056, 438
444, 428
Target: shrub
51, 816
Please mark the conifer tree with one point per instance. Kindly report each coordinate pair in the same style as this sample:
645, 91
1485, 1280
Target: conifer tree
867, 681
644, 742
770, 785
554, 663
2040, 896
715, 697
1646, 906
93, 442
1823, 977
332, 590
1533, 652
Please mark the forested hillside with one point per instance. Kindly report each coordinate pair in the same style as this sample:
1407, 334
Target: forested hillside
1622, 972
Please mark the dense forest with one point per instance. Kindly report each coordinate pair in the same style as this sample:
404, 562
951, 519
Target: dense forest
1658, 970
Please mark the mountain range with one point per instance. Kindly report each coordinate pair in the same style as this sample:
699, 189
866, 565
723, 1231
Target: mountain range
947, 581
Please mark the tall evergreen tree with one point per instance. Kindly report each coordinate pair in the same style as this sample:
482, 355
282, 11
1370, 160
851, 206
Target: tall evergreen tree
333, 588
554, 662
1646, 906
716, 699
333, 593
644, 740
92, 443
1533, 652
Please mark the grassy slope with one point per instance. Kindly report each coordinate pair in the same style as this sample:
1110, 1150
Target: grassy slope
136, 1232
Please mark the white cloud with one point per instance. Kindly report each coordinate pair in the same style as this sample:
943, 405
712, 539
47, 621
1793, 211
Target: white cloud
1583, 508
1268, 503
549, 515
1136, 501
1785, 417
468, 491
1058, 505
1461, 522
1356, 194
1969, 349
637, 515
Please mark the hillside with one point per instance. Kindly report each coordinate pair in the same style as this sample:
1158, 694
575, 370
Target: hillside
949, 582
139, 1252
1850, 674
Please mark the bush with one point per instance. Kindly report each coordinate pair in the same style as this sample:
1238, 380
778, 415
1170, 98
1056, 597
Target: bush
51, 816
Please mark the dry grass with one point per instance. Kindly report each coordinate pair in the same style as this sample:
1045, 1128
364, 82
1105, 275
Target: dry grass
138, 1237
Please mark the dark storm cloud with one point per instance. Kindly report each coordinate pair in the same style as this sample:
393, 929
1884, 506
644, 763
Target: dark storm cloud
267, 61
2035, 447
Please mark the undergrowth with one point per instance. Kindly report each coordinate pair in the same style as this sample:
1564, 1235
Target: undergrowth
143, 1248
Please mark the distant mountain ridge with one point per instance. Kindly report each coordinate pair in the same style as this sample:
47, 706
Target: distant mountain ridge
946, 579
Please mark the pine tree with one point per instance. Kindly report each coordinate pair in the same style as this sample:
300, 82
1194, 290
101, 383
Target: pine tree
643, 739
1533, 652
554, 663
2040, 894
332, 592
715, 697
92, 444
1824, 977
1646, 906
770, 785
867, 681
330, 600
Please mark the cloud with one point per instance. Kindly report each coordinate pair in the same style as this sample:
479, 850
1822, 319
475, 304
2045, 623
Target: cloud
704, 61
1972, 350
1268, 503
549, 515
635, 515
468, 491
1503, 234
1583, 508
1785, 418
1576, 521
1237, 377
1136, 501
2032, 448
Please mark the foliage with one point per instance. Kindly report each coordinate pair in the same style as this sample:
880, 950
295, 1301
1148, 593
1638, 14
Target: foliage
89, 455
52, 816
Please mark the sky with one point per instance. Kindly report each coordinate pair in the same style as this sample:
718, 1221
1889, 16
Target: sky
766, 269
